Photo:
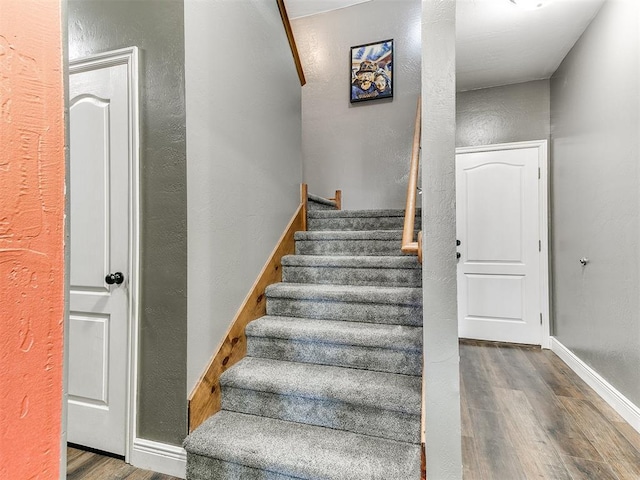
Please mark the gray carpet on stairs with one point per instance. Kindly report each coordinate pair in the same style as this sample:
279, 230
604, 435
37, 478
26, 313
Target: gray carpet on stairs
372, 346
349, 242
385, 405
320, 203
352, 270
363, 220
331, 385
340, 332
298, 450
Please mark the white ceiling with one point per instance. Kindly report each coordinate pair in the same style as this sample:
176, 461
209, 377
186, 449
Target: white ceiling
303, 8
497, 42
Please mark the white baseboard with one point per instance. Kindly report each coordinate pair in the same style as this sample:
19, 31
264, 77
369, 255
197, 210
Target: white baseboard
621, 404
159, 457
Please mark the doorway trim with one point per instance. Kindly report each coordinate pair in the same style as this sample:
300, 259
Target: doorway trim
129, 57
543, 219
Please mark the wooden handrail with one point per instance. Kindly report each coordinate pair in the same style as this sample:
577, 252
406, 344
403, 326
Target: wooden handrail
409, 245
292, 41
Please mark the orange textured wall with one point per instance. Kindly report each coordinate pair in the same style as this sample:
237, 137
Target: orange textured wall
32, 170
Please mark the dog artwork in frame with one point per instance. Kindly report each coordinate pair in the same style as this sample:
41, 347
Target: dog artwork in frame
371, 71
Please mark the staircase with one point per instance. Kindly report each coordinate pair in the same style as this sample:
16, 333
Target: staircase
331, 384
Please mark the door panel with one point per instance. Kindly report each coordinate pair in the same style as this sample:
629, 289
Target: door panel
89, 360
498, 297
494, 230
99, 245
498, 227
90, 173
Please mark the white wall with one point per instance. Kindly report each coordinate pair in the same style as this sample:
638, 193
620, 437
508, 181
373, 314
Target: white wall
362, 148
440, 345
510, 113
595, 119
243, 157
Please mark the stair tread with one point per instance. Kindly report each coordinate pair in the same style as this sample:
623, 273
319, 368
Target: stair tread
337, 332
346, 293
358, 213
349, 235
386, 391
303, 451
351, 261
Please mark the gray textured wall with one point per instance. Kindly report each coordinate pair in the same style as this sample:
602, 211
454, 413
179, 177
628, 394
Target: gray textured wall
244, 157
441, 357
512, 113
156, 27
595, 189
363, 148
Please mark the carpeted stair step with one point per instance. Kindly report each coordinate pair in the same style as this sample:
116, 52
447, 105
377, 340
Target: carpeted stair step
378, 347
400, 271
350, 243
379, 404
387, 305
315, 202
232, 446
358, 220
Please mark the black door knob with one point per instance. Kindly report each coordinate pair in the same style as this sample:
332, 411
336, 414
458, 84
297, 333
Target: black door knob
116, 278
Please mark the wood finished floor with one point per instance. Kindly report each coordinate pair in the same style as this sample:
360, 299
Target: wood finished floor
525, 415
92, 466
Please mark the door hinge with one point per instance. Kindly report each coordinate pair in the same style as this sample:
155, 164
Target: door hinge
539, 245
538, 173
541, 319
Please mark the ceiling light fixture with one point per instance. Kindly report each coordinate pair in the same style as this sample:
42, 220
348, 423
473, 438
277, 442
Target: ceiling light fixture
530, 4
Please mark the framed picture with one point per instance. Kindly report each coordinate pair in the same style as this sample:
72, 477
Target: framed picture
371, 71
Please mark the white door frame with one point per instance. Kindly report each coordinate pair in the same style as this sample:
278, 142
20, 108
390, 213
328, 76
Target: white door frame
543, 195
129, 57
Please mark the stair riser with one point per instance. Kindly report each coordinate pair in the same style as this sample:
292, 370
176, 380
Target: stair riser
356, 312
314, 206
205, 468
349, 247
358, 223
388, 277
367, 358
324, 413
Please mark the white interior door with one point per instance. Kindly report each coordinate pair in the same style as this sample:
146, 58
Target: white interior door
499, 229
99, 246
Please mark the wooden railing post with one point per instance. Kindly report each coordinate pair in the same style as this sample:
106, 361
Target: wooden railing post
338, 199
304, 200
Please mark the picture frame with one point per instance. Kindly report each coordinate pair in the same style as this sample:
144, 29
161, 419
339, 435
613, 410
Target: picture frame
371, 71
